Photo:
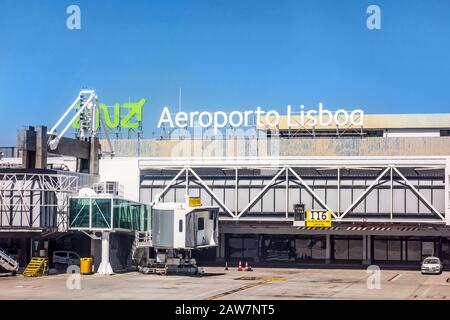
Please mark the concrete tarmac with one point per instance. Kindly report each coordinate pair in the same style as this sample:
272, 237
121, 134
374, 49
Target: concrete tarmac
217, 284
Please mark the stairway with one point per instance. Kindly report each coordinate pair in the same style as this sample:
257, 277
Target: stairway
7, 262
37, 267
142, 239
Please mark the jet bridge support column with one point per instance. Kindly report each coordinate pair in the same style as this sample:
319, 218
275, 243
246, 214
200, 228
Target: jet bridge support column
105, 266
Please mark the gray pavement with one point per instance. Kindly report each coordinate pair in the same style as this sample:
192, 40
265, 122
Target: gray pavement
217, 284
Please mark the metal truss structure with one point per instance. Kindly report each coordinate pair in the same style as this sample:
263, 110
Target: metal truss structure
348, 188
37, 200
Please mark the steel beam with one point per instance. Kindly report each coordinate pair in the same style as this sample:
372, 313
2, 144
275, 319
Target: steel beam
313, 194
211, 193
287, 193
163, 192
419, 194
365, 192
261, 193
17, 192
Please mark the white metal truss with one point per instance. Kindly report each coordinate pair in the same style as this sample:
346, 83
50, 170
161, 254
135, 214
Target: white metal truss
313, 194
211, 193
261, 193
167, 187
386, 173
416, 192
365, 193
24, 197
186, 170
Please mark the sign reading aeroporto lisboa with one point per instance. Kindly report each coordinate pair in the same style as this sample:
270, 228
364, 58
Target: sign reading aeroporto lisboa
235, 119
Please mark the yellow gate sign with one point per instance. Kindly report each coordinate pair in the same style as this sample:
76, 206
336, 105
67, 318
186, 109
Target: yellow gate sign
318, 218
195, 202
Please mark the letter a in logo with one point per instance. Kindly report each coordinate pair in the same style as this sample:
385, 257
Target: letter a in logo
74, 20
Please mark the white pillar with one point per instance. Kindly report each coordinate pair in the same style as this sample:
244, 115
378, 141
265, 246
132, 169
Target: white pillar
221, 246
447, 192
287, 194
187, 186
328, 249
105, 266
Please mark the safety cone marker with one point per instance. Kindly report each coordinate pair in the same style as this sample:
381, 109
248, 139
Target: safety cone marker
240, 266
226, 266
247, 267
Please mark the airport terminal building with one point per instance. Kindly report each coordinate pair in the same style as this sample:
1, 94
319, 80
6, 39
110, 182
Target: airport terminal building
385, 185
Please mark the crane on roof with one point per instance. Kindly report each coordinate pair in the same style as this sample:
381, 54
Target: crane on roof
86, 105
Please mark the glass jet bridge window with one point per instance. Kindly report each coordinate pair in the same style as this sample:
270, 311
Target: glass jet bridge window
79, 212
108, 213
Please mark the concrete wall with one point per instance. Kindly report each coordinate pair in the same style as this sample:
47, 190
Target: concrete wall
125, 171
447, 192
376, 146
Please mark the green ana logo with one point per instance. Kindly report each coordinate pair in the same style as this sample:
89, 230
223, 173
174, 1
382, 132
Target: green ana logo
127, 116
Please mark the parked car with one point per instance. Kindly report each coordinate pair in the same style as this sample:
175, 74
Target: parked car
431, 265
65, 258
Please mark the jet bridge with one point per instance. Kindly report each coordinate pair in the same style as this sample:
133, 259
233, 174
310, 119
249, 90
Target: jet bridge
103, 211
177, 229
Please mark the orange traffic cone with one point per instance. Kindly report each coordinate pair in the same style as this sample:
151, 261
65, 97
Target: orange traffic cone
226, 266
247, 267
240, 266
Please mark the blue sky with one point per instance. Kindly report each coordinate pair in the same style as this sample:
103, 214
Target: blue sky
224, 54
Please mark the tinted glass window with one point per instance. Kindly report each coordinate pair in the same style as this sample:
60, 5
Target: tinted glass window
101, 213
180, 225
79, 212
432, 261
201, 223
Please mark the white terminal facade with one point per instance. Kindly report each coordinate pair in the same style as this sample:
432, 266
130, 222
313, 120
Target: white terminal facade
385, 183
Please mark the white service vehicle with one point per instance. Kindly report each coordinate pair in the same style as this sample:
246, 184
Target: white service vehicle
432, 265
65, 258
178, 228
8, 262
